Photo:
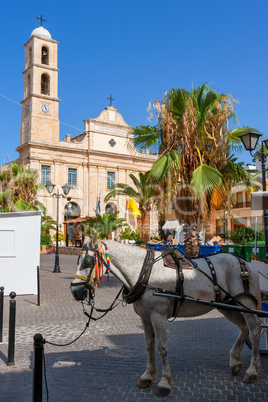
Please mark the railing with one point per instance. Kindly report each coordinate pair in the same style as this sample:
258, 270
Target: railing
244, 204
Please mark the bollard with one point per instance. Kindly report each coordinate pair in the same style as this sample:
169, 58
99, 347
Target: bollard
38, 286
1, 311
11, 334
38, 367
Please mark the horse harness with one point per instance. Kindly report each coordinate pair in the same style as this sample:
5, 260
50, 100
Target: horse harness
137, 291
91, 262
134, 294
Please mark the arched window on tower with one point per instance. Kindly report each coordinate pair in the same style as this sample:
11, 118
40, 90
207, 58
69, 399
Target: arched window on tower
44, 84
44, 55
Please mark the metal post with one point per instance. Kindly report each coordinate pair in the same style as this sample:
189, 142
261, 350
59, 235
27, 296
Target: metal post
57, 263
38, 367
11, 335
38, 286
256, 238
1, 311
265, 214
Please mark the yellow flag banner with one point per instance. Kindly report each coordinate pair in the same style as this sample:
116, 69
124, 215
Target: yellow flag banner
133, 206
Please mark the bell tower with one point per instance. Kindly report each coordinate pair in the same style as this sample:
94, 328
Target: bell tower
40, 104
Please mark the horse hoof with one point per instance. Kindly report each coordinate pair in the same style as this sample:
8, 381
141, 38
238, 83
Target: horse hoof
235, 370
162, 391
250, 378
144, 383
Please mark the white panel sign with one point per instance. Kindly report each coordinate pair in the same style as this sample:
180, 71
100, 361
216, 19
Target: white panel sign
7, 242
19, 251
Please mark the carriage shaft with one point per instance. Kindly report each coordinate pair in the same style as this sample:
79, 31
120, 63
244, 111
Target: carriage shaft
211, 303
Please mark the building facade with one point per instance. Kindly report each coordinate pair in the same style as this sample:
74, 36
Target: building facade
241, 214
90, 162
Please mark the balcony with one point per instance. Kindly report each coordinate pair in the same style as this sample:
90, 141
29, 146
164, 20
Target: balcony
244, 204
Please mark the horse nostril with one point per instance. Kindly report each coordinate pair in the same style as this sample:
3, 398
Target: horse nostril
79, 292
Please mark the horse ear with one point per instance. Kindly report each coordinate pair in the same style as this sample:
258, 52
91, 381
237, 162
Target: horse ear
95, 240
87, 240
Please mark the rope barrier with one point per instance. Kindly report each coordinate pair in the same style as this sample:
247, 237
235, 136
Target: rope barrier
39, 352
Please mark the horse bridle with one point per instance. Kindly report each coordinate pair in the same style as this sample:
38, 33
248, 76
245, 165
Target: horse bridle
89, 262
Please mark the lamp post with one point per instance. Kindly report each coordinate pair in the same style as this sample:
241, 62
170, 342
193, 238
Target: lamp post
250, 141
66, 190
223, 218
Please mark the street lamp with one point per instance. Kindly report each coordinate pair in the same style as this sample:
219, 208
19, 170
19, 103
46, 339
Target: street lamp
250, 141
66, 190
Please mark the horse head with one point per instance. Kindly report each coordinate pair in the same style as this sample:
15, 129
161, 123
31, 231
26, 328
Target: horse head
85, 277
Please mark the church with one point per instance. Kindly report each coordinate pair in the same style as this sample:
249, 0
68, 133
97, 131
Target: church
90, 162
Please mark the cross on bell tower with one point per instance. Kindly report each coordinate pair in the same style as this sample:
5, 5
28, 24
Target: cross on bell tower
41, 20
111, 99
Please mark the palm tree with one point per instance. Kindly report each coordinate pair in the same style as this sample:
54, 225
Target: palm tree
47, 224
193, 140
144, 193
106, 223
19, 187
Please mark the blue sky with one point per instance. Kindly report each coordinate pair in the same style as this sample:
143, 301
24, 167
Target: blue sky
137, 50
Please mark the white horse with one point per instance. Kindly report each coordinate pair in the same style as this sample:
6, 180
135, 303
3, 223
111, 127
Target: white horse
126, 264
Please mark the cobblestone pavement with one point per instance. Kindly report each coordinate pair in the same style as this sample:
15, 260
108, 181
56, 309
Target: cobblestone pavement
107, 361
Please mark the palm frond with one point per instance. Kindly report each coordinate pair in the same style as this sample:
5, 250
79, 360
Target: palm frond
166, 163
205, 180
233, 138
22, 205
146, 137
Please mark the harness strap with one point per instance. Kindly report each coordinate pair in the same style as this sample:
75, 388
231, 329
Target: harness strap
229, 298
177, 257
84, 278
245, 280
136, 293
214, 279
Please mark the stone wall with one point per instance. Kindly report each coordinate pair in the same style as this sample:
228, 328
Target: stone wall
70, 250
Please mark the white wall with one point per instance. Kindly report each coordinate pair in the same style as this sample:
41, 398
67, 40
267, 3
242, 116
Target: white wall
19, 251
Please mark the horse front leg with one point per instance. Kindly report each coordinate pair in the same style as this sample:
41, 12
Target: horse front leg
253, 371
151, 369
160, 328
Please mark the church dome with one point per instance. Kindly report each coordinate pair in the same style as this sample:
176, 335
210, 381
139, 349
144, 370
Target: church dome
42, 32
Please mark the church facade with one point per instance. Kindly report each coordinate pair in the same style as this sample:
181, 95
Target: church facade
90, 162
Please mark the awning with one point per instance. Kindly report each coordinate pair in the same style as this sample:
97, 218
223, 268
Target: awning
77, 220
172, 224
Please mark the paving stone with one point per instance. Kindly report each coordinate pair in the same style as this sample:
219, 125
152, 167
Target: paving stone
107, 361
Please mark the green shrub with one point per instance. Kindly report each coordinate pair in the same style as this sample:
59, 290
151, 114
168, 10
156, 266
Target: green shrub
45, 239
128, 234
244, 234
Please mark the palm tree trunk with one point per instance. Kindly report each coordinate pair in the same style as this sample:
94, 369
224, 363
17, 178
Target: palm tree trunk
145, 227
192, 242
